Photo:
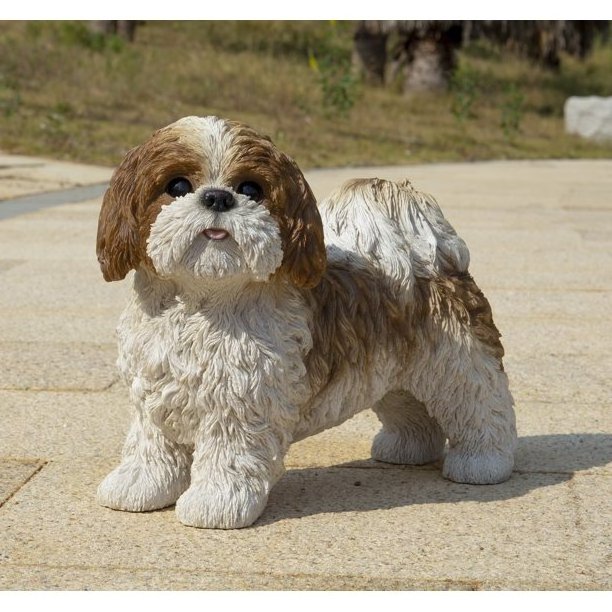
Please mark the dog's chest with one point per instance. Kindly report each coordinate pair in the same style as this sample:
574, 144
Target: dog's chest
186, 365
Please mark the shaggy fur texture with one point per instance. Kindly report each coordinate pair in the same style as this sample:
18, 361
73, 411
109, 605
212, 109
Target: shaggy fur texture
234, 348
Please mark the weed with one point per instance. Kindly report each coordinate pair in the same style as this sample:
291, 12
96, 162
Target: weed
64, 109
73, 33
339, 85
294, 39
10, 100
464, 91
512, 111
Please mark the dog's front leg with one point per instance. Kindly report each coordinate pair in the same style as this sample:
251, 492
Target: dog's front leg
234, 467
153, 473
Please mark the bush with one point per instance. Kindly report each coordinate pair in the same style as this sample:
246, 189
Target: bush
464, 90
512, 110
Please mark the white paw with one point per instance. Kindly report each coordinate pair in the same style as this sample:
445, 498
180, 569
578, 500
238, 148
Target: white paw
234, 505
392, 447
477, 468
137, 487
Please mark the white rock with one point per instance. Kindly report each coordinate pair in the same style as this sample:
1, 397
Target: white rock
589, 117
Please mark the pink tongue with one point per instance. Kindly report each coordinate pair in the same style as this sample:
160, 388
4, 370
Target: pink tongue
215, 234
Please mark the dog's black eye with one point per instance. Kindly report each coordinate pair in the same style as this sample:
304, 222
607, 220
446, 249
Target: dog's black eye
178, 187
251, 190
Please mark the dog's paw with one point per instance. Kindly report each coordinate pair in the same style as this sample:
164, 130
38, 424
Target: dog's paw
477, 468
209, 506
395, 447
135, 487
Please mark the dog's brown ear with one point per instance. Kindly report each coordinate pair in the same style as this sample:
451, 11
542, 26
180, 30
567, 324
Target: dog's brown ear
304, 247
117, 244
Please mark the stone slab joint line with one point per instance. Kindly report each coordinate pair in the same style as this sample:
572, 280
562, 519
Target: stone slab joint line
42, 464
107, 387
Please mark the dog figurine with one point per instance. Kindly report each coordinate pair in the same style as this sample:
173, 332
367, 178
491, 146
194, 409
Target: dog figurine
258, 319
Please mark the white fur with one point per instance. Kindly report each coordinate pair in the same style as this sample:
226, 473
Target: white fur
215, 355
398, 229
209, 135
178, 248
222, 374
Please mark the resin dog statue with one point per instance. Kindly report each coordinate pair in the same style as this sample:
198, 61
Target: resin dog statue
258, 319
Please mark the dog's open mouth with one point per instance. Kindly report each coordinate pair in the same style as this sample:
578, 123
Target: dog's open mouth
214, 233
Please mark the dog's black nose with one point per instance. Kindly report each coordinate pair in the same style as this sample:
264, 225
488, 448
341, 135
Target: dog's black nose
218, 200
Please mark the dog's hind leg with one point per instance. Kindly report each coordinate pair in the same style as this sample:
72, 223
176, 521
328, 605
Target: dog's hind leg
408, 435
459, 376
478, 418
480, 424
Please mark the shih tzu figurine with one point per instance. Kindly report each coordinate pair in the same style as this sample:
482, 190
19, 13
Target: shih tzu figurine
258, 319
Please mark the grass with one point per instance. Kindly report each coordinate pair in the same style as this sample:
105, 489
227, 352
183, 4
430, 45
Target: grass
70, 95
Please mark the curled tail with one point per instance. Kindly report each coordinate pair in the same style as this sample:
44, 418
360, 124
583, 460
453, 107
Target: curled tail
397, 229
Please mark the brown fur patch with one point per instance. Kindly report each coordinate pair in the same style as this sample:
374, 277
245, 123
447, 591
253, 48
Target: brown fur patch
135, 197
354, 312
288, 197
456, 297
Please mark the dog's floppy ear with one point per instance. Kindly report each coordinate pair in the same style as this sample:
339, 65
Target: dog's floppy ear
305, 258
118, 241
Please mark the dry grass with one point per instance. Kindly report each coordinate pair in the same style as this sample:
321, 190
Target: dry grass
66, 95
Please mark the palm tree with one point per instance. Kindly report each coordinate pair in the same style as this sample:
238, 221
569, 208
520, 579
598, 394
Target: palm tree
370, 50
543, 41
427, 51
424, 55
424, 52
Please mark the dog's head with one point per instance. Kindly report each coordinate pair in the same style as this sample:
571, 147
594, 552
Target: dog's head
210, 198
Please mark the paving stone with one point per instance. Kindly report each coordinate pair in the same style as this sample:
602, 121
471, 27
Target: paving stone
64, 424
57, 365
319, 521
68, 288
539, 233
39, 236
98, 579
593, 518
559, 378
33, 324
564, 437
7, 264
14, 474
556, 337
571, 309
589, 453
349, 442
489, 278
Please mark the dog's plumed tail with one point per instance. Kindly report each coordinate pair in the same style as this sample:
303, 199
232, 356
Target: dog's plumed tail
399, 230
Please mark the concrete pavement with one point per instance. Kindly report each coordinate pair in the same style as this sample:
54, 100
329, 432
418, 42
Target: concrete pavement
540, 235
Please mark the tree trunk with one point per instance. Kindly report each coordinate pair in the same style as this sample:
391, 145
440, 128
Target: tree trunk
370, 53
431, 63
124, 29
127, 30
103, 27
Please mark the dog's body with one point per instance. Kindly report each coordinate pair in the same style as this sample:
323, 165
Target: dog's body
245, 332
